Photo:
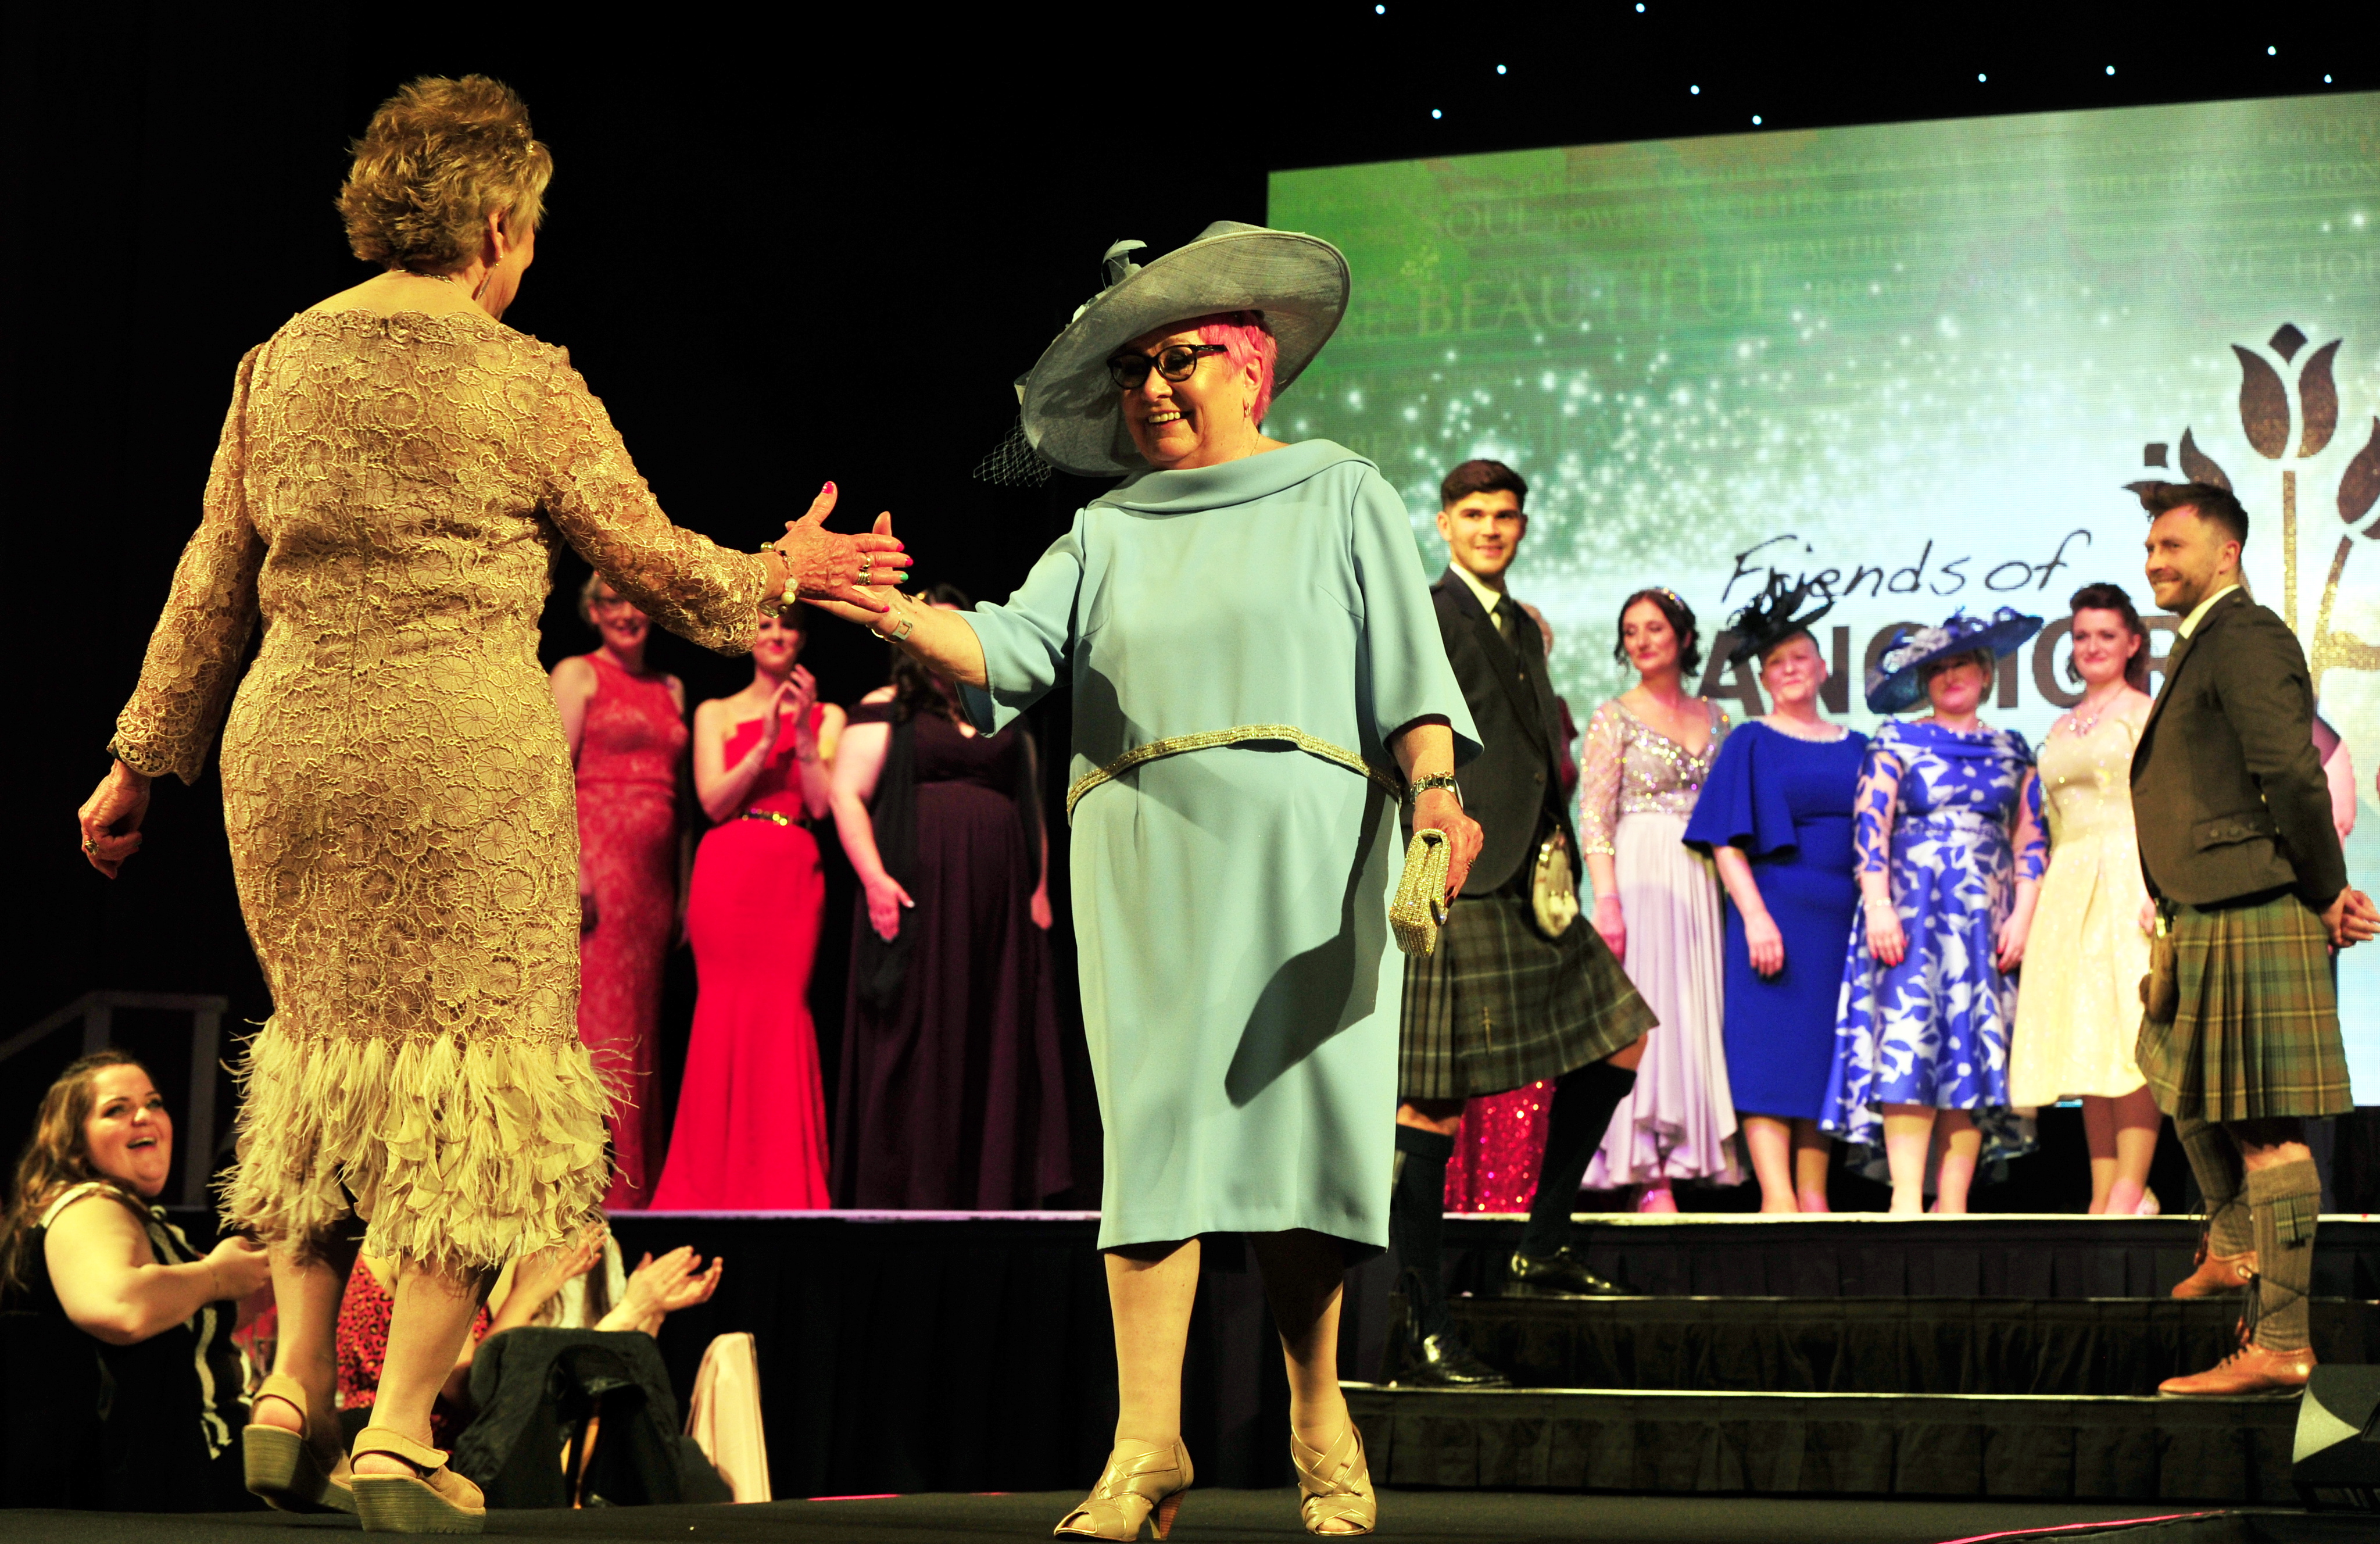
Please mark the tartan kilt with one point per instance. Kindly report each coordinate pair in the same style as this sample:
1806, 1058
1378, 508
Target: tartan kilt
1498, 1006
2256, 1035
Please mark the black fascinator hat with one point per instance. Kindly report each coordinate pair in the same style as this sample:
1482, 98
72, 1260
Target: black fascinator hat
1774, 616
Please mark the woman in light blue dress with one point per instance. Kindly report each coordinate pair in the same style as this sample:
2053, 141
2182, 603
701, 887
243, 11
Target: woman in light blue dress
1949, 859
1257, 674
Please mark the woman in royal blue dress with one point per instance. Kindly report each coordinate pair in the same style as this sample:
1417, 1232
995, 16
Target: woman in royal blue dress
1775, 817
1950, 864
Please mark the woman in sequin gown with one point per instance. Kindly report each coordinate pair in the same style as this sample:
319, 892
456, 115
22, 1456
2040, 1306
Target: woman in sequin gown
1657, 903
1922, 1024
2079, 1015
395, 476
625, 728
751, 1113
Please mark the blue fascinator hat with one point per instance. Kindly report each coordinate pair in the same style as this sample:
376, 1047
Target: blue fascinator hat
1895, 683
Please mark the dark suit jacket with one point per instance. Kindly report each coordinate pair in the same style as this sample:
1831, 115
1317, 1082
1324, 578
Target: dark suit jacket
1516, 781
2227, 791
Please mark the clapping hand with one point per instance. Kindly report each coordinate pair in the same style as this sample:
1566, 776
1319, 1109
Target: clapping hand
539, 1276
790, 703
658, 1288
827, 566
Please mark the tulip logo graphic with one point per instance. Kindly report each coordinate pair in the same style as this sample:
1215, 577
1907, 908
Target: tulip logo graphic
2268, 417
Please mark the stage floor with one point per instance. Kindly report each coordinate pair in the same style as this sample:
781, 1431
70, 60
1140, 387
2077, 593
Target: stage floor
1421, 1517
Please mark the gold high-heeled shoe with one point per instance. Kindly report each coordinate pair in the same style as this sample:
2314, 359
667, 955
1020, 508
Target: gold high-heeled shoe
1147, 1488
1336, 1486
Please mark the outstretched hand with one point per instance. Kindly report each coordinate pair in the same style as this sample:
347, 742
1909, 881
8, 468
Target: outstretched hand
111, 819
826, 566
866, 602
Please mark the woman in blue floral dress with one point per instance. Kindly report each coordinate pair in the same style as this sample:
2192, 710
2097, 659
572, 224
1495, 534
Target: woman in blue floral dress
1949, 860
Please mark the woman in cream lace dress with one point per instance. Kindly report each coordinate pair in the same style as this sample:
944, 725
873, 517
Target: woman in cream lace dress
2079, 1012
396, 475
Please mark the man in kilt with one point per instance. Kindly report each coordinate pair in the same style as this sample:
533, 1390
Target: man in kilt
1503, 1001
2237, 846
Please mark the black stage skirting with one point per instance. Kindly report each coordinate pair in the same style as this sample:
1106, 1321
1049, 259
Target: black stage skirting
909, 1352
2147, 1450
1929, 1345
1867, 1255
903, 1352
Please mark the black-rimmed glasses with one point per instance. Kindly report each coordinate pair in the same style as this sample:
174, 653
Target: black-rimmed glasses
1174, 361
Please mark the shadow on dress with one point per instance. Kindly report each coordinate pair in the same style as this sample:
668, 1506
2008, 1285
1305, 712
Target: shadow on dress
1283, 1029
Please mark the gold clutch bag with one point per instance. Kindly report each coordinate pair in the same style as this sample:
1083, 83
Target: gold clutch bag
1418, 909
1553, 892
2161, 988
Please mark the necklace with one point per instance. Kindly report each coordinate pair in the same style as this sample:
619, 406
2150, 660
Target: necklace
1827, 733
2083, 725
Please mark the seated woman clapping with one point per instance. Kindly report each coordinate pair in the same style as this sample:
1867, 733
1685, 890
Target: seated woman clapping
83, 1248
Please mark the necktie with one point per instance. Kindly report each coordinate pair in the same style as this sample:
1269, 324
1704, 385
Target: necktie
1507, 616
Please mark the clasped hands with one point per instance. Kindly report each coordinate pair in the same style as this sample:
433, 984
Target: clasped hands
826, 566
2351, 919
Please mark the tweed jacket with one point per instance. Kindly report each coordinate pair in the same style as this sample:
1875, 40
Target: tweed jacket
1515, 783
2227, 791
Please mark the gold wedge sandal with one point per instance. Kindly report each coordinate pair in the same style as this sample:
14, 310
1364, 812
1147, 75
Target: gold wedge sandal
281, 1469
1336, 1486
1147, 1488
438, 1500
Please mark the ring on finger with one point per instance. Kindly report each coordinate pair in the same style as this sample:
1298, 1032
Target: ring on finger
867, 565
89, 846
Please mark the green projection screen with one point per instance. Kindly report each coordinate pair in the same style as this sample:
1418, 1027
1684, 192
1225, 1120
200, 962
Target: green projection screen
1916, 364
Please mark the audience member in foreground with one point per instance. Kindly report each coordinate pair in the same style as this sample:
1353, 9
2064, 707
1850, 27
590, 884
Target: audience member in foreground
84, 1249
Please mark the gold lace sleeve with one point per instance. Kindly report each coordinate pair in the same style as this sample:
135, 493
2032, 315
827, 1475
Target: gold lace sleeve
193, 659
596, 498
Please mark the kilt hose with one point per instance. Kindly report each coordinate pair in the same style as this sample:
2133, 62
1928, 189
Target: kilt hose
1498, 1006
2256, 1034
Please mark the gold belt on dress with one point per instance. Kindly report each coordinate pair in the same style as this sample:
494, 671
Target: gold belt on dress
772, 816
1282, 734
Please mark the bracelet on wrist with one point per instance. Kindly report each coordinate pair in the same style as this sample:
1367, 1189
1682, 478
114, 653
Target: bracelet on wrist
1421, 785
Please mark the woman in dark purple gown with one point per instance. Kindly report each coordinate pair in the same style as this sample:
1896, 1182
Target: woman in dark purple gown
952, 1093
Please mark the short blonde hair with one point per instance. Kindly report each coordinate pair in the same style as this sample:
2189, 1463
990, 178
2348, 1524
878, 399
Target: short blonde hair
435, 161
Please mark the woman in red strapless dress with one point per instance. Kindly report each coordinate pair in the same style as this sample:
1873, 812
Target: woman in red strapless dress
751, 1115
627, 729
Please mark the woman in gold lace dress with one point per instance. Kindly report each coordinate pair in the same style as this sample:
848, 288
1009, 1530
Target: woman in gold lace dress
396, 476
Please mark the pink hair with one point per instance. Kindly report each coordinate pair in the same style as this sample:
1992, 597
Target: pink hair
1246, 338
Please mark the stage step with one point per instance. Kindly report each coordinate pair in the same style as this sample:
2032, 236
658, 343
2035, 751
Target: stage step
2038, 1447
1911, 1345
1864, 1255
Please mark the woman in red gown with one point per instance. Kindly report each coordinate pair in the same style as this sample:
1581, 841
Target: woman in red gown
627, 729
751, 1113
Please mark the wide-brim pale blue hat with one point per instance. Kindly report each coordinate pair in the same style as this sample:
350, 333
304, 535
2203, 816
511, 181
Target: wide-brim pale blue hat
1895, 686
1069, 407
